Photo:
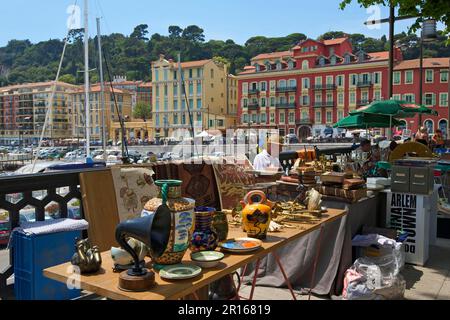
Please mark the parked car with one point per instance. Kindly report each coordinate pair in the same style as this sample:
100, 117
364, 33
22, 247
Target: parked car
291, 139
4, 233
134, 155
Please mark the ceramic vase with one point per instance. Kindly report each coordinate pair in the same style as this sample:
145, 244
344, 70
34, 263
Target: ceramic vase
257, 214
204, 237
220, 225
182, 223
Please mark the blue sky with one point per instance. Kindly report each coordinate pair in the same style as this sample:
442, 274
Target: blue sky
229, 19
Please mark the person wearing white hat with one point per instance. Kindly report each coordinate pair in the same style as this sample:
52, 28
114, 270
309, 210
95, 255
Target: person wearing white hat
267, 160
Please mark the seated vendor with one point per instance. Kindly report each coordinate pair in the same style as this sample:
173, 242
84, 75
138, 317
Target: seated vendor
268, 160
373, 156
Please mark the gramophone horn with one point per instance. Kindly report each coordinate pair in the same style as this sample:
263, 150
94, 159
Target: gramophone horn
152, 230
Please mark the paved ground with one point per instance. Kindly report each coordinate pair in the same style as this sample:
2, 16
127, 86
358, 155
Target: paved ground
431, 282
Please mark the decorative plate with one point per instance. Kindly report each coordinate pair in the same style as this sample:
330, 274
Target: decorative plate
241, 245
207, 256
180, 272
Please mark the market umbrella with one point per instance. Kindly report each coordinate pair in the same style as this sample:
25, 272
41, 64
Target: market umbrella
395, 108
366, 121
204, 134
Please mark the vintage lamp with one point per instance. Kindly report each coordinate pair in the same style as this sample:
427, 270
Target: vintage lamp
153, 231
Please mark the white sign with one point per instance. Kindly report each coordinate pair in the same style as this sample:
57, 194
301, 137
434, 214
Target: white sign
407, 213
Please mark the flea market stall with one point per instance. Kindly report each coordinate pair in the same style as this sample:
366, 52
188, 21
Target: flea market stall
174, 230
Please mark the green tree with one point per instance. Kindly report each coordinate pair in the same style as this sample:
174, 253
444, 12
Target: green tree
142, 111
140, 32
332, 35
222, 61
435, 9
68, 78
175, 32
194, 34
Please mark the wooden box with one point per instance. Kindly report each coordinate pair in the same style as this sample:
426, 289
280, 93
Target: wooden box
352, 195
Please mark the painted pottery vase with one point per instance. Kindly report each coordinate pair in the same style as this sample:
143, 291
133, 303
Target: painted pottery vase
183, 222
204, 237
257, 214
220, 225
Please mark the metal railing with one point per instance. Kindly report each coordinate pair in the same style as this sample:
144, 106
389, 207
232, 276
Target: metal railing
324, 87
323, 104
292, 105
253, 106
364, 102
304, 121
287, 89
19, 192
253, 91
362, 84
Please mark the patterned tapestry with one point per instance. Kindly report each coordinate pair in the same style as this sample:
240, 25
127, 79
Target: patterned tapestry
134, 187
232, 181
199, 184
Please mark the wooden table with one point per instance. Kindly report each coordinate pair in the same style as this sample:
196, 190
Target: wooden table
105, 282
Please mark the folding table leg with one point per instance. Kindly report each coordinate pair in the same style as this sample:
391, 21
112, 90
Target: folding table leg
242, 278
316, 260
237, 296
254, 279
277, 258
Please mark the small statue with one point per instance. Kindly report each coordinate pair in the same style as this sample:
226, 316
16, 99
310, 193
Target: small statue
87, 258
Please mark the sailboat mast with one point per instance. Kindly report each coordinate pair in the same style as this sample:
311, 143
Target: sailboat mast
86, 79
102, 86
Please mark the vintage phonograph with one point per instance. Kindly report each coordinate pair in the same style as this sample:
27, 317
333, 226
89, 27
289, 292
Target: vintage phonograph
153, 231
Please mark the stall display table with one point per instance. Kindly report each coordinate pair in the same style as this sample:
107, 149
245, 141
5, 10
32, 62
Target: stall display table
336, 252
417, 215
105, 282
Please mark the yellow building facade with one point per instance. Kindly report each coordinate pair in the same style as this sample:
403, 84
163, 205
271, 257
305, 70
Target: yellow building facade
23, 109
205, 91
124, 104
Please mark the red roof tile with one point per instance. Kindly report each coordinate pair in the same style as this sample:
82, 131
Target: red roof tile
427, 63
332, 42
383, 55
273, 55
193, 64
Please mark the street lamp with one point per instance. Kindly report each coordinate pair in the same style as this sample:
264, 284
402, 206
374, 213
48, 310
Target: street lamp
428, 34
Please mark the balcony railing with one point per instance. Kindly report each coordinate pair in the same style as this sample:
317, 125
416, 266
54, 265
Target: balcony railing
364, 102
292, 105
253, 91
363, 84
304, 121
253, 106
287, 89
325, 87
324, 104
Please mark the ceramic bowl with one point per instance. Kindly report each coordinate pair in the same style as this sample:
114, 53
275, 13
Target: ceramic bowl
207, 259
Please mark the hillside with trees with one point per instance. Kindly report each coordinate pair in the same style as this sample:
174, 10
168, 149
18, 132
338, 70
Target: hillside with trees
22, 61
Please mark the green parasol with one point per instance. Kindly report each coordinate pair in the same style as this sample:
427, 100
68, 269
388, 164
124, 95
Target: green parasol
394, 108
366, 121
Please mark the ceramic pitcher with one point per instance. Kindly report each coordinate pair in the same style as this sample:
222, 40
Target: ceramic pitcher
257, 214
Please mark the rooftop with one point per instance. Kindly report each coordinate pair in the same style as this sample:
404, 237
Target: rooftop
36, 85
273, 55
427, 63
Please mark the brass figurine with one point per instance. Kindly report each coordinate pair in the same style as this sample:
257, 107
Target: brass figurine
87, 257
